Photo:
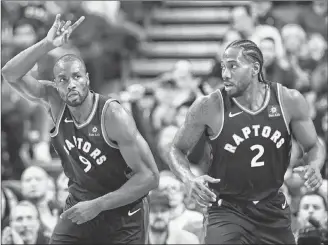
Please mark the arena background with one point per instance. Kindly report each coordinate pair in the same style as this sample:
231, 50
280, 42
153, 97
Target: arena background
157, 57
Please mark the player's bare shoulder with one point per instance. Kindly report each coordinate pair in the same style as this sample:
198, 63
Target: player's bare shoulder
295, 104
117, 120
204, 108
115, 112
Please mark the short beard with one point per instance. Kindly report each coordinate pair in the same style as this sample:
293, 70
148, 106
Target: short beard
158, 230
72, 104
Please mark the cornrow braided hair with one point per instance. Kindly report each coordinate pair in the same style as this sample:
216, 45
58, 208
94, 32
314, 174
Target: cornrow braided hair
251, 52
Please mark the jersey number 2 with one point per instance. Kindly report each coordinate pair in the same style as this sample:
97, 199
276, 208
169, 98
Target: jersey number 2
254, 162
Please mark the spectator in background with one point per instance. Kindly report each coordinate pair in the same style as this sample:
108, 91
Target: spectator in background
242, 21
24, 227
160, 231
35, 184
112, 12
62, 190
261, 11
319, 88
317, 48
8, 201
273, 67
312, 206
294, 39
36, 16
176, 86
314, 19
19, 120
174, 189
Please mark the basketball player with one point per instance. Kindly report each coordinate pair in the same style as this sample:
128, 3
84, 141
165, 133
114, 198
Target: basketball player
249, 125
108, 163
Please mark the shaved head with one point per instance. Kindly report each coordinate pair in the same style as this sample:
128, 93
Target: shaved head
66, 59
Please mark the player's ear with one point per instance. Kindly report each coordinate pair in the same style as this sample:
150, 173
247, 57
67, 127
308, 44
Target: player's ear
256, 69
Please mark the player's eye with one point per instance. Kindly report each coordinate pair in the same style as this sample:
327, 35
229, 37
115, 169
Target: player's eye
233, 66
77, 76
62, 80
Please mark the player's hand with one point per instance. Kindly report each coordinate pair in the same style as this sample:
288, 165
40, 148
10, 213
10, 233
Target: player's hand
60, 31
82, 212
10, 236
197, 188
311, 175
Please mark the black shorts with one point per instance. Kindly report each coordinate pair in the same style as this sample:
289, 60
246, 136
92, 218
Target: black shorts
237, 222
110, 227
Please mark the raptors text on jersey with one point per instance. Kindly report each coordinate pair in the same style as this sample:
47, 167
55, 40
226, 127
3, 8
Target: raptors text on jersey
252, 150
92, 162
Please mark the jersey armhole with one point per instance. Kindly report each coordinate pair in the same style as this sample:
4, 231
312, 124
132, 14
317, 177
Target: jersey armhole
102, 124
54, 131
282, 106
222, 116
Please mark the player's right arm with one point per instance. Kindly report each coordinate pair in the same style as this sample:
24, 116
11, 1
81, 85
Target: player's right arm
185, 139
16, 71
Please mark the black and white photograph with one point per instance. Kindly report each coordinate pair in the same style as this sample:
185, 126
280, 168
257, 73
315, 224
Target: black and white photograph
164, 122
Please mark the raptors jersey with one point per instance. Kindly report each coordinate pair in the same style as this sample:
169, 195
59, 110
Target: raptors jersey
91, 161
252, 152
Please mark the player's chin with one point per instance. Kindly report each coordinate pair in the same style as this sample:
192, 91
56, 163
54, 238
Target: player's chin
159, 225
74, 102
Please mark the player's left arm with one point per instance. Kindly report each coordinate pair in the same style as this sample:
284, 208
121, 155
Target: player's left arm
121, 128
304, 132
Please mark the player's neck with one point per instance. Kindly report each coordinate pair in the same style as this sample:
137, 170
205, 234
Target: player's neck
177, 211
158, 237
81, 113
254, 96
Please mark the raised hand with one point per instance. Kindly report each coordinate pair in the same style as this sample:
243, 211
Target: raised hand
60, 31
10, 236
198, 190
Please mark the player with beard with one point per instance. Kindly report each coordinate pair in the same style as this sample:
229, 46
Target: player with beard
249, 126
159, 219
109, 165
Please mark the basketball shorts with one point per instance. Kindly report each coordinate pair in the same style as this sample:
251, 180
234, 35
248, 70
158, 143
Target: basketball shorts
245, 222
126, 225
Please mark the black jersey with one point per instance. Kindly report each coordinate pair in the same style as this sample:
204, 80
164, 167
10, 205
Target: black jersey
92, 162
251, 153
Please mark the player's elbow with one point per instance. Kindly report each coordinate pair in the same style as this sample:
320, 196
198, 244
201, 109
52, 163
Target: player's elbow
7, 74
152, 179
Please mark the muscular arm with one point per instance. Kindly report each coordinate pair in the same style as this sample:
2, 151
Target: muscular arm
121, 128
16, 72
187, 137
302, 127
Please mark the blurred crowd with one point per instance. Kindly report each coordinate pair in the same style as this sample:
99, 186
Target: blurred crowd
293, 39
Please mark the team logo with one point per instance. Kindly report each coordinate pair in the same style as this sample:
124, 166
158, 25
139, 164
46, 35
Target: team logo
94, 131
274, 111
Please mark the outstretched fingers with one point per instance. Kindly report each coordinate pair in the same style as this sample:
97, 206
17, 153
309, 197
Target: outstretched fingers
66, 25
57, 21
77, 23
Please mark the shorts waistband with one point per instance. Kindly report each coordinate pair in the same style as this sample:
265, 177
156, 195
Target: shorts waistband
241, 202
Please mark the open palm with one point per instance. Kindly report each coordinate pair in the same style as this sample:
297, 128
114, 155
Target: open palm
61, 30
